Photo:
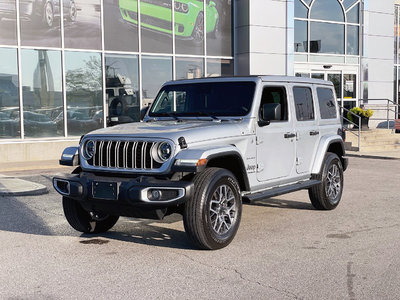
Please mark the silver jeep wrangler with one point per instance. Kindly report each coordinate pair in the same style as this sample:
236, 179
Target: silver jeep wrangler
203, 147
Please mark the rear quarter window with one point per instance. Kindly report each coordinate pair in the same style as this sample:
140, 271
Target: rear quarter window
326, 100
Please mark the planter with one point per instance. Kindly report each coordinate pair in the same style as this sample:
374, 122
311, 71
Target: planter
364, 123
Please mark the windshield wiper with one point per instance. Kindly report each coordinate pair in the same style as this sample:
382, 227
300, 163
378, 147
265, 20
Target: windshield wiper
169, 114
202, 113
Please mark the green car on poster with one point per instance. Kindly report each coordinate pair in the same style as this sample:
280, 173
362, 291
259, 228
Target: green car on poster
189, 16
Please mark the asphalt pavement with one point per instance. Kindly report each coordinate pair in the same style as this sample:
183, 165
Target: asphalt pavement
284, 248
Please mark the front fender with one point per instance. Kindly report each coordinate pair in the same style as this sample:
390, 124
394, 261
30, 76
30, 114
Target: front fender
323, 147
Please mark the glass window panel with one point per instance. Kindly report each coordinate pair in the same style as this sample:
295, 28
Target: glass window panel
219, 67
9, 96
336, 79
156, 70
40, 23
84, 84
352, 40
42, 93
326, 101
318, 76
308, 2
304, 103
300, 36
219, 28
349, 86
8, 23
327, 59
396, 32
121, 18
82, 30
122, 89
156, 24
353, 16
348, 3
327, 10
300, 11
189, 68
327, 38
189, 27
305, 75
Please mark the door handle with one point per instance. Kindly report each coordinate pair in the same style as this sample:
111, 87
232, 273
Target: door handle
314, 132
289, 135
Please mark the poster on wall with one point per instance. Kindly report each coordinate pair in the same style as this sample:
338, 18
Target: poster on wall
82, 24
8, 22
219, 39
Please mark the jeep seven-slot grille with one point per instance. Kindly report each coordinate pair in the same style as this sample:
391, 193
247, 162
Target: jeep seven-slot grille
124, 155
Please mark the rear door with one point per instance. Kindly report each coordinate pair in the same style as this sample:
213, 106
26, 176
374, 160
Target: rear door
307, 133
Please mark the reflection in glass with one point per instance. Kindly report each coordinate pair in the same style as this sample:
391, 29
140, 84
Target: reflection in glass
327, 38
349, 86
42, 93
304, 75
353, 15
9, 99
84, 92
300, 36
348, 3
8, 23
189, 68
318, 76
336, 79
155, 71
189, 27
300, 11
396, 31
82, 31
156, 24
219, 28
329, 10
40, 23
120, 17
219, 67
122, 89
352, 40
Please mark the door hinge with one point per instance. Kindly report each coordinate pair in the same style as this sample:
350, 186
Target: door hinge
260, 167
299, 161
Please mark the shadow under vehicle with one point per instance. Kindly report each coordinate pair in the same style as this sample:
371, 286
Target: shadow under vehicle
8, 127
39, 11
189, 16
36, 125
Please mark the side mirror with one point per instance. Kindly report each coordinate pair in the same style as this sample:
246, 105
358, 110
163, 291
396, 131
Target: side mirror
143, 112
270, 112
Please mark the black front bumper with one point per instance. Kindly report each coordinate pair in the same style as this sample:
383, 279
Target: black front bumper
132, 197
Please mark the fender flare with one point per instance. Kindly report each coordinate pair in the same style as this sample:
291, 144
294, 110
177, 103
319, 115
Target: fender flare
323, 147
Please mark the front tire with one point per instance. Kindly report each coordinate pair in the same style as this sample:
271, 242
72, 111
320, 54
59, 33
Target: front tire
86, 222
212, 216
198, 29
48, 15
327, 194
72, 12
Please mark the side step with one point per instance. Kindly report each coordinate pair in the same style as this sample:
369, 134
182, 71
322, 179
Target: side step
281, 190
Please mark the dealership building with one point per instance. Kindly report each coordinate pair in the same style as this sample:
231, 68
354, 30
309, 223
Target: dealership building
104, 60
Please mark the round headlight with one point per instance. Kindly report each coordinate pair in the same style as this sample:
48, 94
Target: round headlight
88, 149
164, 151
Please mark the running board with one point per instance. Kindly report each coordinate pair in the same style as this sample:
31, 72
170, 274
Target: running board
281, 190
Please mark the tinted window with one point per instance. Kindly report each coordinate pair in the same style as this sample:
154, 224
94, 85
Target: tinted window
327, 38
300, 36
304, 103
275, 94
326, 101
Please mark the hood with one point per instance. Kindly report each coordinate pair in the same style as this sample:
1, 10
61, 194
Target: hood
192, 131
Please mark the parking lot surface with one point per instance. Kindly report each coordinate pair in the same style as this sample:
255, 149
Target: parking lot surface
284, 249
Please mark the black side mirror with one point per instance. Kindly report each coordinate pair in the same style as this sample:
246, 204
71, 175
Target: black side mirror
270, 112
143, 112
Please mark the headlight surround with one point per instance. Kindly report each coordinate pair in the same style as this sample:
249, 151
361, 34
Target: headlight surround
88, 149
162, 152
181, 7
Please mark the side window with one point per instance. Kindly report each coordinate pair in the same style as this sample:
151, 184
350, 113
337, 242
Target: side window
275, 94
304, 103
326, 101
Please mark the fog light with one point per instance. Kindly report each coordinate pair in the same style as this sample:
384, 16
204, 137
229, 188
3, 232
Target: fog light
154, 195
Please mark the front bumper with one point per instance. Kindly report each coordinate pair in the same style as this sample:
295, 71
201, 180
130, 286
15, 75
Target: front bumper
122, 196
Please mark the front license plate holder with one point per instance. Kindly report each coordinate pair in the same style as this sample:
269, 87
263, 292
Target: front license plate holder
105, 190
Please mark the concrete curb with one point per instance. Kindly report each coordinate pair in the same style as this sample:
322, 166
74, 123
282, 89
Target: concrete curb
10, 186
372, 156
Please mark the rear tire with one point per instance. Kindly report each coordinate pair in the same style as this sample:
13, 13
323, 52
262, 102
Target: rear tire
212, 216
327, 194
83, 221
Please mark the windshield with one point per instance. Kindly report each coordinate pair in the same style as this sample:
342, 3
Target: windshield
204, 99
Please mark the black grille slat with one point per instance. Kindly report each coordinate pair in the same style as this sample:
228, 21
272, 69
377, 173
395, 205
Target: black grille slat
114, 154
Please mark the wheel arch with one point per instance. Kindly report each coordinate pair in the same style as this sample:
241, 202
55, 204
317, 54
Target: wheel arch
332, 144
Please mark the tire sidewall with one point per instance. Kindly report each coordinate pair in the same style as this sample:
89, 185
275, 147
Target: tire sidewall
330, 160
223, 177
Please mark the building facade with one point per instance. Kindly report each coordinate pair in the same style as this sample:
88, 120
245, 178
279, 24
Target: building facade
103, 60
